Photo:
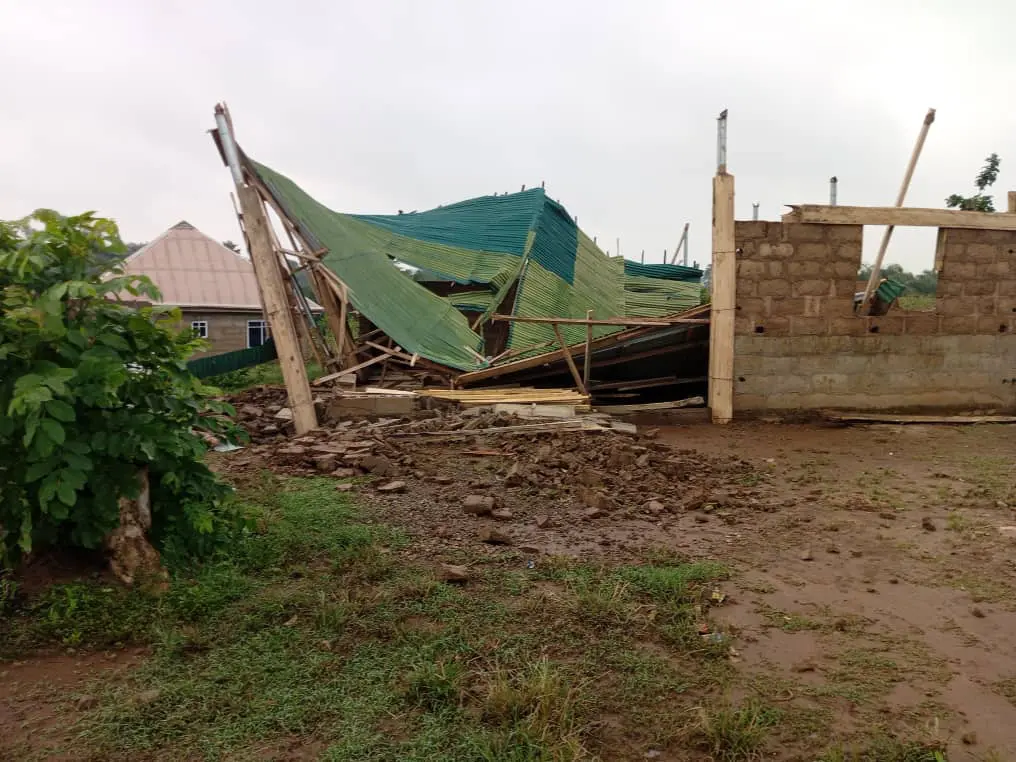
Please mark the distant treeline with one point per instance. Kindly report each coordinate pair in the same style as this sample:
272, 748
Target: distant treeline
923, 282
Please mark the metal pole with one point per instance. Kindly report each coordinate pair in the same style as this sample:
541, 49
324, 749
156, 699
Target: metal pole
228, 145
754, 212
876, 270
721, 143
832, 190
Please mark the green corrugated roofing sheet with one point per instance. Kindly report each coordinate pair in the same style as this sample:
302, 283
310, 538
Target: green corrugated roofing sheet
491, 241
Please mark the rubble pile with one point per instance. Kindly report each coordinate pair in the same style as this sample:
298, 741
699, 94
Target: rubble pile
459, 460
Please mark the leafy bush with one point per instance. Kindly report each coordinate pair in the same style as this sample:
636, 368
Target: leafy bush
92, 390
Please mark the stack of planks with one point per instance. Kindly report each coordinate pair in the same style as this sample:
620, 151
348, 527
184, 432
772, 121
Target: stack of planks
519, 395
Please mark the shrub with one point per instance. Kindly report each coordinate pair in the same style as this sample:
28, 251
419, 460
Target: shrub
93, 389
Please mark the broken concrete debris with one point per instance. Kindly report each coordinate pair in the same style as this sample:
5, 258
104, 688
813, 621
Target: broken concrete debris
478, 505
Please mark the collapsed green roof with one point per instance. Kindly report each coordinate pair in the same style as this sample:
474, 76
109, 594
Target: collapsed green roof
523, 252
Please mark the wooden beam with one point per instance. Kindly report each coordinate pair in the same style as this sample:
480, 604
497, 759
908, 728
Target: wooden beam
570, 360
624, 322
547, 358
1012, 202
899, 216
327, 295
354, 369
724, 284
277, 311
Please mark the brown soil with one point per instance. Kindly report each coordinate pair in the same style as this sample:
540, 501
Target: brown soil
874, 580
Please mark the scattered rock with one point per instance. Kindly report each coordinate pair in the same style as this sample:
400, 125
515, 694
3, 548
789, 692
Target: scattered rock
593, 513
502, 514
148, 697
378, 465
86, 702
443, 532
832, 549
928, 525
284, 414
544, 522
806, 666
494, 536
977, 612
250, 411
442, 480
653, 754
344, 487
887, 515
453, 573
893, 581
655, 506
969, 739
856, 554
589, 478
326, 463
595, 499
392, 487
479, 505
345, 473
806, 555
293, 450
530, 549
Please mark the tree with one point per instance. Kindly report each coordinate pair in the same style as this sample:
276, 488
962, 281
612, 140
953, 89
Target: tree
133, 246
979, 202
231, 246
93, 392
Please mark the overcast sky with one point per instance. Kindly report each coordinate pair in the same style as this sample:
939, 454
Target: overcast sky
379, 105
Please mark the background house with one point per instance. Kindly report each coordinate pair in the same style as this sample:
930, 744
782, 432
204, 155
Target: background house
214, 287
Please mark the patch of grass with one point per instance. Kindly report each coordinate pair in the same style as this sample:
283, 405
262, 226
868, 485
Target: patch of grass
886, 749
734, 734
786, 621
269, 373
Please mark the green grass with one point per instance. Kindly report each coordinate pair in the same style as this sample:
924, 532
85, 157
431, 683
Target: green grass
919, 302
734, 734
886, 749
269, 373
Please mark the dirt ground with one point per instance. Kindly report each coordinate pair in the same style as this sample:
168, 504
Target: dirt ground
874, 574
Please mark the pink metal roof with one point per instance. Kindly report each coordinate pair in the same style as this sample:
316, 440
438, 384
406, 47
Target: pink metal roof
194, 270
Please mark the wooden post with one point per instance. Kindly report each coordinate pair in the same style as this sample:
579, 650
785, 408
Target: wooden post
876, 270
588, 357
280, 317
570, 360
1012, 202
724, 288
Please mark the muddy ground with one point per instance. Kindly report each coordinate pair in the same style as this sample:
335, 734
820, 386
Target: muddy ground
874, 573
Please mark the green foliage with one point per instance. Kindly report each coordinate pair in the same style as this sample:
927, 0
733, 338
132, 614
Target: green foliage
92, 391
979, 202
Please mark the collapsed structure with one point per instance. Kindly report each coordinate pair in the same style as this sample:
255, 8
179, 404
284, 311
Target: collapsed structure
507, 290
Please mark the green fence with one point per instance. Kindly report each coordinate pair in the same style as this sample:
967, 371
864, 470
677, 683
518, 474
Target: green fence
216, 365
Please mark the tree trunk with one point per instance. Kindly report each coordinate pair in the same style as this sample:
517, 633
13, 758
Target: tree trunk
131, 555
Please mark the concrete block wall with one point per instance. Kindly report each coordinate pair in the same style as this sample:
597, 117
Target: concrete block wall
799, 346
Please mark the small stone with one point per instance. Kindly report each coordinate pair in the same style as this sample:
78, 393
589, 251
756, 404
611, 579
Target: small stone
86, 702
969, 739
378, 465
893, 581
593, 513
595, 499
442, 479
589, 478
832, 549
493, 536
977, 612
806, 555
544, 522
251, 411
701, 518
856, 554
502, 514
928, 525
294, 450
326, 463
655, 506
392, 487
887, 515
453, 573
344, 487
443, 532
478, 505
653, 754
806, 666
871, 590
284, 414
345, 473
534, 549
642, 460
148, 697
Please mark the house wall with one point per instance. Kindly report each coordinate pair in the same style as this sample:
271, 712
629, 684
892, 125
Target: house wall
227, 331
799, 346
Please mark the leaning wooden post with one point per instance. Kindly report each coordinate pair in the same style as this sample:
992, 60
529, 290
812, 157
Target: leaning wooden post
1012, 202
570, 360
724, 288
876, 270
273, 287
588, 357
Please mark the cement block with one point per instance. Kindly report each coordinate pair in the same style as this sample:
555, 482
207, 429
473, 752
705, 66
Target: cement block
848, 253
774, 326
808, 326
987, 324
846, 233
845, 270
339, 408
955, 252
921, 324
830, 383
979, 287
775, 250
949, 287
807, 269
959, 270
965, 324
818, 252
982, 253
995, 270
752, 306
1006, 287
846, 326
812, 287
776, 268
749, 229
800, 231
790, 384
891, 325
747, 268
774, 287
746, 287
953, 306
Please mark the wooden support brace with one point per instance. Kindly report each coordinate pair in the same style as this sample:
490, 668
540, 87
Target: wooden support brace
570, 360
588, 355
